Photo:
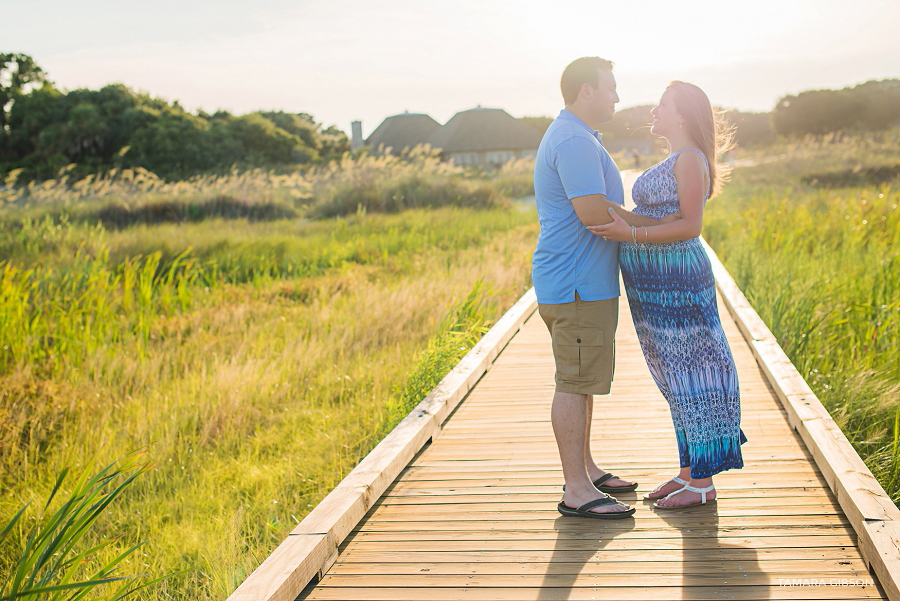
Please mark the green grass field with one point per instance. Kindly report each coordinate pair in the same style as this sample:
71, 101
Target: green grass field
254, 360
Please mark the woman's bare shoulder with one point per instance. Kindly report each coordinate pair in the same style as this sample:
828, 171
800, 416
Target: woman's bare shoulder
690, 165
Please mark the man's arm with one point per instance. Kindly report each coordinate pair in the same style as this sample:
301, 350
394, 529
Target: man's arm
593, 209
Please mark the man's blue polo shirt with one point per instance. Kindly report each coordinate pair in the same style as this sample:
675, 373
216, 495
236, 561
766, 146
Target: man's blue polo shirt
572, 162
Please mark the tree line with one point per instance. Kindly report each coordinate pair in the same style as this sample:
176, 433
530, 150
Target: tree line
43, 129
872, 106
868, 107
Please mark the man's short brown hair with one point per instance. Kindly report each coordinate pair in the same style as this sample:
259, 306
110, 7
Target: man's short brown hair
584, 70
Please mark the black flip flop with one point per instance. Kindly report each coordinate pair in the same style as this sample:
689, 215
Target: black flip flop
585, 510
598, 484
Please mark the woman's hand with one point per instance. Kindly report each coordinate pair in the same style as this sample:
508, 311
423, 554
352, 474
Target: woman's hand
618, 230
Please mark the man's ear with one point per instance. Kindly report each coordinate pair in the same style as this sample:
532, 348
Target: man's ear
586, 89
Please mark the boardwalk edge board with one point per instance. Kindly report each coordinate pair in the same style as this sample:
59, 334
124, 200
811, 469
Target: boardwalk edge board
874, 517
311, 548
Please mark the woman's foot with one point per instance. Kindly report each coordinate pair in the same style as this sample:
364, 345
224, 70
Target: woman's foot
698, 492
667, 487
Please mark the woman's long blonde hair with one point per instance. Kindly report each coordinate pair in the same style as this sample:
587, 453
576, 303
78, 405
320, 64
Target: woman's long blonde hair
707, 127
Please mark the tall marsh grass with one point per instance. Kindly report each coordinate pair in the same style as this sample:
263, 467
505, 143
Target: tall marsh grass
73, 300
821, 265
53, 563
257, 361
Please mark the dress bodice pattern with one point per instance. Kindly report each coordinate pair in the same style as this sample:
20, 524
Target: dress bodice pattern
655, 191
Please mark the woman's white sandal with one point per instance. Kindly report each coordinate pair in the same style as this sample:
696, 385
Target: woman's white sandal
701, 491
676, 480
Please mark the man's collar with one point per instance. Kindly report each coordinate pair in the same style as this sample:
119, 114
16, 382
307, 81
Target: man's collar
570, 116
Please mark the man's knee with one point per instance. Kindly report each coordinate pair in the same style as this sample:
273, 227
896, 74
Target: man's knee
570, 397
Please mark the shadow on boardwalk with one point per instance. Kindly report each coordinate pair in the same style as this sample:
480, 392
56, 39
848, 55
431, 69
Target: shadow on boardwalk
701, 545
579, 541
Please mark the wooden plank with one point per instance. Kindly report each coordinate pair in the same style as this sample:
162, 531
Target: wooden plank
619, 543
742, 497
609, 578
870, 510
538, 475
694, 521
636, 593
784, 479
287, 570
690, 526
332, 519
620, 558
552, 463
722, 567
390, 517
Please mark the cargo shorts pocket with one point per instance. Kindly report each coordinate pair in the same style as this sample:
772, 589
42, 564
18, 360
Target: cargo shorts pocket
579, 353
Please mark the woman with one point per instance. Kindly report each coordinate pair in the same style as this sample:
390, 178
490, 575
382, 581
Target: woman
671, 292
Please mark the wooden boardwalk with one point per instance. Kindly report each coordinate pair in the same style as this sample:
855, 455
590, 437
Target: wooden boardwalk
459, 500
473, 516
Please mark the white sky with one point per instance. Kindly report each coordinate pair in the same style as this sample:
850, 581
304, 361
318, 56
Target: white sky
342, 60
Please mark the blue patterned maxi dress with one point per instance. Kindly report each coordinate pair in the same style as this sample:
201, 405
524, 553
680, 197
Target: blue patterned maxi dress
672, 295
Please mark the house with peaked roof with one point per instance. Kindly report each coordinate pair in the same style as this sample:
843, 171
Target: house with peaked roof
401, 132
485, 137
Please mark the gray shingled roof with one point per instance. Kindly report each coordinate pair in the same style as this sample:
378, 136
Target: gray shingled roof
481, 129
402, 131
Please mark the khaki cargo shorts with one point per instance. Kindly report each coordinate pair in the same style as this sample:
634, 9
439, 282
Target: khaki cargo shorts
584, 345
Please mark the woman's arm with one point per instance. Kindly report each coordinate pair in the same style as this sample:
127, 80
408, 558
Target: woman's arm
690, 175
593, 209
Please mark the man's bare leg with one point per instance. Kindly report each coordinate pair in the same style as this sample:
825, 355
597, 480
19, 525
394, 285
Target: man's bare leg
593, 470
569, 416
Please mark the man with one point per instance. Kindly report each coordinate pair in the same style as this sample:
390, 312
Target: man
576, 276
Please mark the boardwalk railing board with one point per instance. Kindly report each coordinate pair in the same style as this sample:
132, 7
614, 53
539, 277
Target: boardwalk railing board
874, 517
311, 547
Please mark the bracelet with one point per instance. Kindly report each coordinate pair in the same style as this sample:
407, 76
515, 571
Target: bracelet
646, 233
633, 241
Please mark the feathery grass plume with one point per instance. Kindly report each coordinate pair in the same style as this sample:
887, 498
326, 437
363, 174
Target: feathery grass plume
417, 178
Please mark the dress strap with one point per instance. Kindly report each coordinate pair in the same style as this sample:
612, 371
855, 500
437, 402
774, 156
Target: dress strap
698, 152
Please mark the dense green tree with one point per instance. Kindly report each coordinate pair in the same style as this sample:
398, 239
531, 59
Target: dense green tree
173, 145
300, 124
882, 104
45, 129
263, 141
539, 123
632, 123
49, 129
816, 112
751, 128
17, 71
871, 106
318, 143
334, 142
32, 116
